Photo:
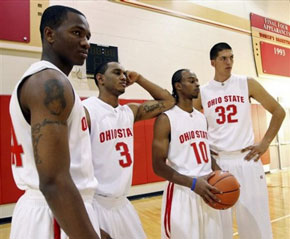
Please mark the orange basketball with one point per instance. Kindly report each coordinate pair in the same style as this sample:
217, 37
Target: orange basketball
228, 184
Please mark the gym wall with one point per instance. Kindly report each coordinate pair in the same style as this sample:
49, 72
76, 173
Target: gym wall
153, 43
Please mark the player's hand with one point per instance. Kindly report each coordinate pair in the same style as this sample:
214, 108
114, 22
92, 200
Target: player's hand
205, 190
131, 77
105, 235
256, 151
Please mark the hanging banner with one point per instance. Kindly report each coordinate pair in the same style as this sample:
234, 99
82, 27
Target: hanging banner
271, 44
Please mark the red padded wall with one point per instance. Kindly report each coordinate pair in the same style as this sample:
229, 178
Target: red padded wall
15, 20
149, 126
9, 193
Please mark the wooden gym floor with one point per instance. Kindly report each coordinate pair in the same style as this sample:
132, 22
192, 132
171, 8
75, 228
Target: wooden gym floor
279, 195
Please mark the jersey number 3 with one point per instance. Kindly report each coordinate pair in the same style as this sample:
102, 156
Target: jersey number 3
124, 151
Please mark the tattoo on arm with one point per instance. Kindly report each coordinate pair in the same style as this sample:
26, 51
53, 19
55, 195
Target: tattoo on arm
54, 100
150, 108
36, 135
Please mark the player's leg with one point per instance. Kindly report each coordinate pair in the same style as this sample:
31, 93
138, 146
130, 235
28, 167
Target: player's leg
227, 223
181, 213
27, 215
212, 222
227, 162
253, 217
104, 220
91, 213
118, 218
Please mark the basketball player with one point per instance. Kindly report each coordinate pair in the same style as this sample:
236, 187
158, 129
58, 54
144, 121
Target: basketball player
226, 104
52, 162
111, 128
181, 155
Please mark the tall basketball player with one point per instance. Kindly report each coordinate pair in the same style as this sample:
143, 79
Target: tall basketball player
54, 164
111, 128
181, 155
226, 104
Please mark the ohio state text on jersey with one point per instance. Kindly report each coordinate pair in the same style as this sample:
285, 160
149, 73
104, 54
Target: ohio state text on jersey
228, 111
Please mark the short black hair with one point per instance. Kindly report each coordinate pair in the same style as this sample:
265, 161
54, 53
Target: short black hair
214, 51
177, 77
101, 69
53, 17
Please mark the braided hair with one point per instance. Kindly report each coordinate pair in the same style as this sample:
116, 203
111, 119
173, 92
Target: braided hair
177, 76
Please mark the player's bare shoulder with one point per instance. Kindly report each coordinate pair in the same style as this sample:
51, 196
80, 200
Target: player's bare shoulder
162, 124
252, 84
48, 89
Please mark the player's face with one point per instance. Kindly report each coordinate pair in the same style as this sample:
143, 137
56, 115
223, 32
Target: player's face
71, 39
115, 78
190, 85
223, 63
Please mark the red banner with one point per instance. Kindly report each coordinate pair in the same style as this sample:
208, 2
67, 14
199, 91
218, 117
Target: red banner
270, 25
275, 59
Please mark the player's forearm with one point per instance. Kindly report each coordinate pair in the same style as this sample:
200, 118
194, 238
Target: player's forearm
153, 108
274, 126
154, 90
214, 165
68, 208
172, 175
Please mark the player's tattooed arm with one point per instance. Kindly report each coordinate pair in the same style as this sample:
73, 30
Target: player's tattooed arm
54, 99
36, 132
151, 109
163, 100
155, 106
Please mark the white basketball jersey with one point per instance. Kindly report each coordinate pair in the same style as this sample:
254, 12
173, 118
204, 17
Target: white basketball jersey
228, 112
23, 164
188, 149
112, 146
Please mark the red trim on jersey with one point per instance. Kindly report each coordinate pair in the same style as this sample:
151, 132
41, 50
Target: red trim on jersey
56, 229
167, 215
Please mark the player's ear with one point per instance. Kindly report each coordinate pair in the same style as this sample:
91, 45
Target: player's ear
49, 34
212, 62
100, 79
178, 86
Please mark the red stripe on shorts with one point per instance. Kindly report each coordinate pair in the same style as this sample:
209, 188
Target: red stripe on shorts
56, 229
167, 215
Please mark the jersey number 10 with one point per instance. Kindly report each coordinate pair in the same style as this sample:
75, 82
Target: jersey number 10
200, 150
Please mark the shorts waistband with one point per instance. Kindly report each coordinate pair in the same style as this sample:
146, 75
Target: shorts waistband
110, 201
230, 154
87, 196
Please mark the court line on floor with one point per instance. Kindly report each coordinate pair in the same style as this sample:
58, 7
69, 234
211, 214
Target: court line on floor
274, 220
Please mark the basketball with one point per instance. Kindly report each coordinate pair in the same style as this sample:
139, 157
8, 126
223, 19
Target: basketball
228, 184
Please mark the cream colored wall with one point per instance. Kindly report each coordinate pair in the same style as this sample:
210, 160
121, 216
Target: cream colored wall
156, 44
275, 9
13, 65
16, 57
